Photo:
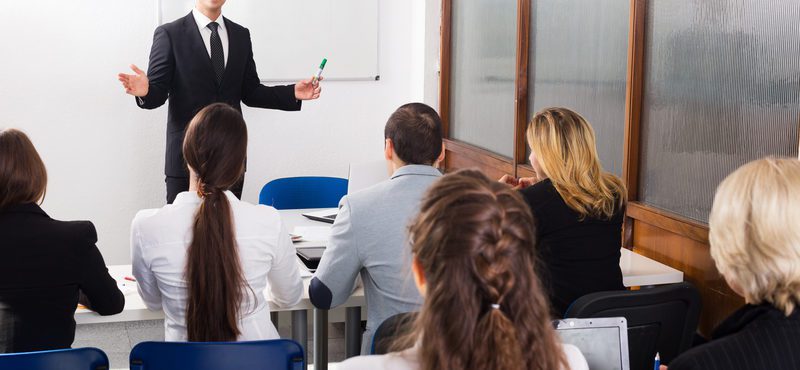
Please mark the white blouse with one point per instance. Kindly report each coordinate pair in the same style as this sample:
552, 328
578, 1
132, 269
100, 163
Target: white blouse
159, 241
409, 360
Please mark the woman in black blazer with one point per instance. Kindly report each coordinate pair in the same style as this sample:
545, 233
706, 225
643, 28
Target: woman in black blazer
45, 265
578, 208
755, 243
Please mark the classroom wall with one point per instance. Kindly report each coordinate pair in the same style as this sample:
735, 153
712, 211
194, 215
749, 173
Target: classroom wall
105, 156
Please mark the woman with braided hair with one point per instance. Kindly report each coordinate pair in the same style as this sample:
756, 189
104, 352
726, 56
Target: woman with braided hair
207, 258
475, 263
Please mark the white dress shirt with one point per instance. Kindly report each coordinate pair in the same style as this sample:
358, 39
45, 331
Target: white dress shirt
159, 242
409, 360
202, 24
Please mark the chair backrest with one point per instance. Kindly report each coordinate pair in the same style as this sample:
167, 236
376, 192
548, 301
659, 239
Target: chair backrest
661, 319
280, 354
390, 329
62, 359
303, 192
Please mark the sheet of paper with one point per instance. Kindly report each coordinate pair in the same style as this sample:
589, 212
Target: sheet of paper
313, 233
127, 287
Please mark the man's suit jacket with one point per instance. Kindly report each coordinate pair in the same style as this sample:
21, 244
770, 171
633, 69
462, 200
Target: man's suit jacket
369, 238
44, 264
181, 70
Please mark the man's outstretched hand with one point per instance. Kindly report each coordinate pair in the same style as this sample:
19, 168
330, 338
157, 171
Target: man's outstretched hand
138, 84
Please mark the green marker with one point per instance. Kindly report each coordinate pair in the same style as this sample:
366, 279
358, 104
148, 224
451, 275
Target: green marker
319, 71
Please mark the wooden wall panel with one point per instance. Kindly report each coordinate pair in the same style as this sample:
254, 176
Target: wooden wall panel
525, 170
444, 71
694, 259
460, 155
521, 81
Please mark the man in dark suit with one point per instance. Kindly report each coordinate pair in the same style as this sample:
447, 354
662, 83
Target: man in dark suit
197, 60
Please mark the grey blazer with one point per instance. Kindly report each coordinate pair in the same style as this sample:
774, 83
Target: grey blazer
369, 237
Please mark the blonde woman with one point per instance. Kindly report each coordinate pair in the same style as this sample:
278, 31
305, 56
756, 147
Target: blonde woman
475, 264
577, 207
755, 242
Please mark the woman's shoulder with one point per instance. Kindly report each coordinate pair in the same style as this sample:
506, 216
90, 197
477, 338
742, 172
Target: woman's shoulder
405, 360
540, 193
149, 216
260, 210
256, 219
575, 358
30, 219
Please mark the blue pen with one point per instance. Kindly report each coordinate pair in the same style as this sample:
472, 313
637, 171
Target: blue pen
658, 362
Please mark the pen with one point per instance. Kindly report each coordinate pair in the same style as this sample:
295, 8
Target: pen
129, 278
658, 362
316, 77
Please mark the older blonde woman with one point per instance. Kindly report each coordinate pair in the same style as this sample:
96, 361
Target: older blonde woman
578, 208
755, 242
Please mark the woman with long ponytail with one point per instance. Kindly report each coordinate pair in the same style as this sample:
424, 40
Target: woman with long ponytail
206, 258
475, 264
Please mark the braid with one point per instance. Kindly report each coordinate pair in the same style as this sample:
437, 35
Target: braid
484, 307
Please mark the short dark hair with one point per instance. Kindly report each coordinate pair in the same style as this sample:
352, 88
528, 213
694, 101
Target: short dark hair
416, 132
23, 177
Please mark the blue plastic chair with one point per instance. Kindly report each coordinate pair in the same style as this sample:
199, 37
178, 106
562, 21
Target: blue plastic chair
280, 354
62, 359
303, 192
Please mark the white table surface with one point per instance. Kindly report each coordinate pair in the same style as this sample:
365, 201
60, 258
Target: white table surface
637, 270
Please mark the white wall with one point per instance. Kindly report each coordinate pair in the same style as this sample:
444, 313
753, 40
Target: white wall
105, 156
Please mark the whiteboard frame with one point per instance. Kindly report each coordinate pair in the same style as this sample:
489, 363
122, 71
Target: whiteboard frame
377, 77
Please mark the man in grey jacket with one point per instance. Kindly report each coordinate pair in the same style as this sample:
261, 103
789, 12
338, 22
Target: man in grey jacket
369, 234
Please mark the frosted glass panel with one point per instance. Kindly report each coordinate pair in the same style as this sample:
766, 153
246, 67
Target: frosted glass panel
578, 60
721, 88
483, 69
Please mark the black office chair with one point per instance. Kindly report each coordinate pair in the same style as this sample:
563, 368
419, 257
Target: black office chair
660, 319
390, 329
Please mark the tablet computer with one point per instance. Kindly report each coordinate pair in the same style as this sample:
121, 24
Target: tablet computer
310, 256
603, 341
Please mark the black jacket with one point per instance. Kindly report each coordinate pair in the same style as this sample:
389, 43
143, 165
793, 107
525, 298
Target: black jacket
754, 337
577, 256
44, 265
181, 70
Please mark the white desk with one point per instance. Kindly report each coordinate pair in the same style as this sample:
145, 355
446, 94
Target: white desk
637, 270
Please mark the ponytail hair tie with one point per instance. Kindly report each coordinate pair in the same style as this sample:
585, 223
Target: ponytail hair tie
495, 306
203, 192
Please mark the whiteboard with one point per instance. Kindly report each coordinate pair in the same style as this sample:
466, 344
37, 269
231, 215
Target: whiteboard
290, 37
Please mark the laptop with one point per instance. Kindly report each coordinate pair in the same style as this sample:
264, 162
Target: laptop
365, 174
325, 215
310, 256
360, 176
603, 341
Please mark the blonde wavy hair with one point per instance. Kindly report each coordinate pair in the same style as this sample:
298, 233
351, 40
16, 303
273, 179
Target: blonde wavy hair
755, 231
564, 144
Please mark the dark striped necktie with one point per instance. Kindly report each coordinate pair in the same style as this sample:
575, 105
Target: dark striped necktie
217, 56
